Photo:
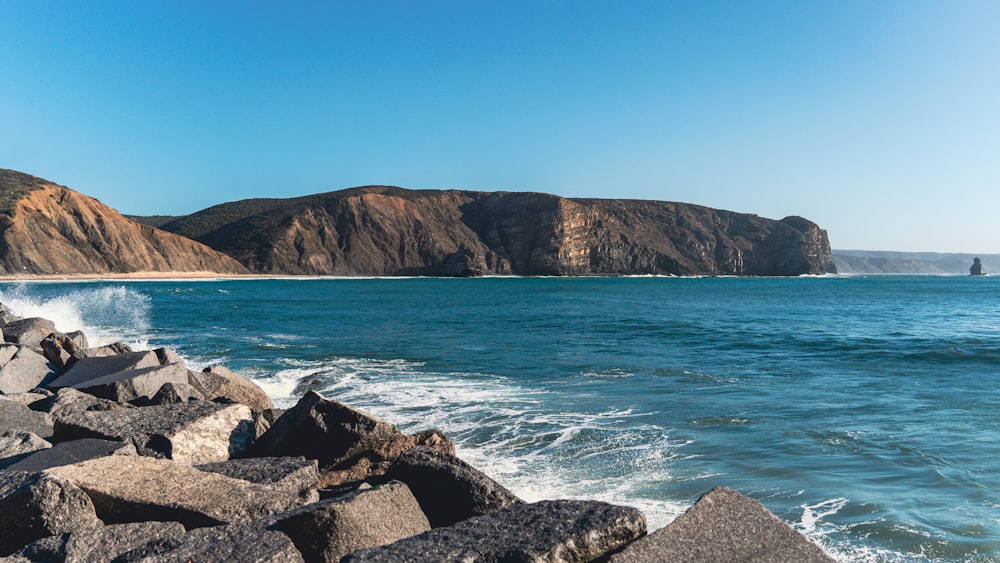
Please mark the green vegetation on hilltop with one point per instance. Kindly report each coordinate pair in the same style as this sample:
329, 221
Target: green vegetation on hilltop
14, 186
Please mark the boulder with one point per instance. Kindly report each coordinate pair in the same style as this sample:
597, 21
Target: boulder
170, 394
113, 349
68, 453
36, 505
63, 350
137, 489
67, 401
28, 332
97, 366
138, 385
284, 472
22, 369
31, 397
328, 530
724, 526
198, 432
233, 542
6, 316
15, 445
325, 430
218, 382
449, 490
562, 530
373, 464
103, 543
15, 415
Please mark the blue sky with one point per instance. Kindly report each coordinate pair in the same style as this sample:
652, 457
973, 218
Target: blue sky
879, 120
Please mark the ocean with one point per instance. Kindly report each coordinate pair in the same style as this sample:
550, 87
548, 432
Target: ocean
864, 411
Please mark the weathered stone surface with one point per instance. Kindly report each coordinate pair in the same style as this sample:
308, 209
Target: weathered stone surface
67, 401
36, 505
724, 526
30, 398
113, 349
68, 453
6, 316
198, 432
330, 529
15, 415
136, 489
285, 472
449, 490
95, 367
564, 531
15, 445
373, 464
28, 332
129, 385
171, 394
22, 369
220, 382
325, 430
64, 349
234, 542
103, 543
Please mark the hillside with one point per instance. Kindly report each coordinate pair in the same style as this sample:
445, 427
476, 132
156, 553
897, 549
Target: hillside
46, 229
886, 262
381, 230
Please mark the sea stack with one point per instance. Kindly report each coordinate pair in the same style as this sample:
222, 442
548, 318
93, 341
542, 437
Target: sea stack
977, 268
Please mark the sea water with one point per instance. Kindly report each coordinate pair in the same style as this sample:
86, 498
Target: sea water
864, 411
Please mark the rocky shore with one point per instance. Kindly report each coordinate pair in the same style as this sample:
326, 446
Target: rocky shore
111, 454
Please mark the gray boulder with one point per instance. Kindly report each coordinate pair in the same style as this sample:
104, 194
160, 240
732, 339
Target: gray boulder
68, 453
724, 526
198, 432
15, 415
16, 445
325, 430
328, 530
137, 489
63, 350
171, 394
113, 349
95, 366
251, 543
449, 490
218, 382
103, 543
28, 332
293, 473
36, 505
67, 401
6, 316
136, 384
22, 369
564, 531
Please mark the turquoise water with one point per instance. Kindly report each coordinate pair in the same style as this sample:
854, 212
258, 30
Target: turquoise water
863, 411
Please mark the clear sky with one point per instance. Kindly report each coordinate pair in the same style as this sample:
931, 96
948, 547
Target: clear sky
879, 120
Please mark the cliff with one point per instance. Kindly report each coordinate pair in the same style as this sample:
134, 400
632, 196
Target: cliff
46, 229
379, 230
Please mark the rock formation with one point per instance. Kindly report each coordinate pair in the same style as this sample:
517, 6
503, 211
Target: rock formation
379, 230
49, 229
977, 267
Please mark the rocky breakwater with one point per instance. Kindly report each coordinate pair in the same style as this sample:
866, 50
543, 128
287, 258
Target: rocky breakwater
110, 454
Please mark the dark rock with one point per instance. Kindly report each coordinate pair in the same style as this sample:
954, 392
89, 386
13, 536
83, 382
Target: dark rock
68, 453
724, 526
198, 432
284, 472
234, 542
219, 382
65, 349
22, 369
328, 530
16, 445
371, 465
102, 543
15, 415
28, 332
325, 430
67, 401
449, 490
564, 531
977, 267
170, 394
36, 505
137, 489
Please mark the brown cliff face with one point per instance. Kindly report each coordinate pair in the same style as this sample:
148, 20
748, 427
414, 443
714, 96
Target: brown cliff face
46, 229
391, 231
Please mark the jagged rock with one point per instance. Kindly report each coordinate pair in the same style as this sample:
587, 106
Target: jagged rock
36, 505
114, 349
198, 432
103, 543
284, 472
724, 526
449, 490
64, 349
6, 316
15, 415
136, 489
96, 366
31, 397
16, 445
374, 464
67, 401
170, 394
328, 530
219, 382
128, 384
28, 332
325, 430
22, 369
564, 531
68, 453
234, 542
